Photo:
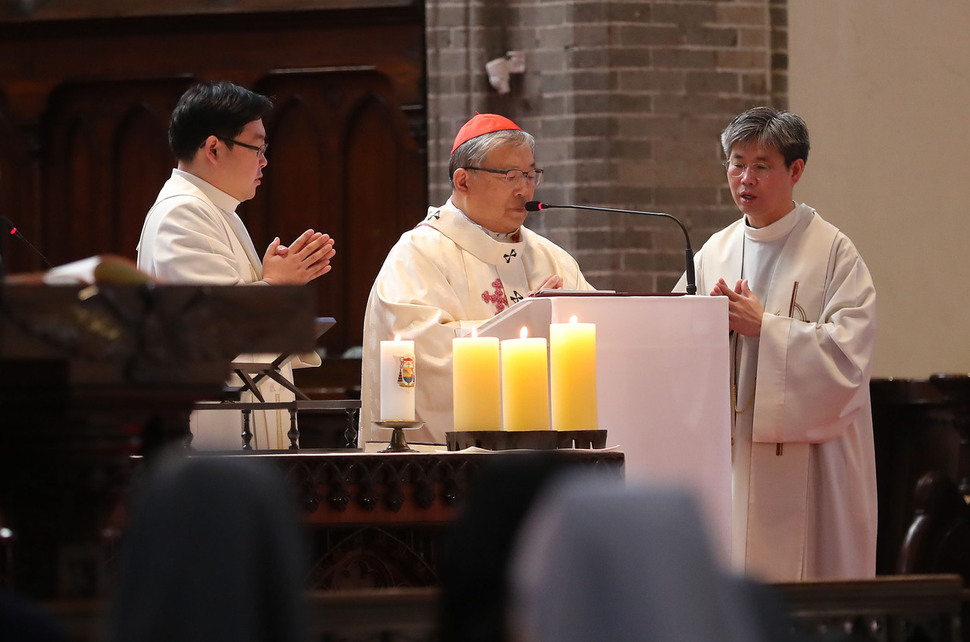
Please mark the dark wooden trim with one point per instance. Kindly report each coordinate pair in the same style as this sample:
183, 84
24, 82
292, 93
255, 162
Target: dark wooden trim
21, 12
413, 611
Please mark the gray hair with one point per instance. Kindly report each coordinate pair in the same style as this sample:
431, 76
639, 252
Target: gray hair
472, 153
768, 127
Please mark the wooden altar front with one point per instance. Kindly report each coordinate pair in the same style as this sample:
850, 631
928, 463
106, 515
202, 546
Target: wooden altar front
380, 520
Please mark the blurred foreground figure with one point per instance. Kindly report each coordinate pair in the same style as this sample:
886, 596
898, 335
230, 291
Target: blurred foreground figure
214, 552
475, 569
597, 560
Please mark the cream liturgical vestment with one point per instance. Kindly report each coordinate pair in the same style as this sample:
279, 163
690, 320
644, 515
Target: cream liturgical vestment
193, 235
446, 274
803, 461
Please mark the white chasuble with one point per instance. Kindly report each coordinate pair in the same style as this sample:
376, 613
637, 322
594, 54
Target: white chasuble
803, 460
446, 274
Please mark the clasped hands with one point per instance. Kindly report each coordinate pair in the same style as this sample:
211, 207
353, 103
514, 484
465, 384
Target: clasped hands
305, 259
744, 308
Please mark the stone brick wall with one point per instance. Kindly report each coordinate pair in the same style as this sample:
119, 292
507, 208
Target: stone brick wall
626, 100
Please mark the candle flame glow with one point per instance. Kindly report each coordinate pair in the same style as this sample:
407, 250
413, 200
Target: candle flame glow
573, 319
397, 337
524, 332
474, 333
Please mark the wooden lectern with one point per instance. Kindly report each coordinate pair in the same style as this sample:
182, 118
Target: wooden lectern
89, 377
663, 386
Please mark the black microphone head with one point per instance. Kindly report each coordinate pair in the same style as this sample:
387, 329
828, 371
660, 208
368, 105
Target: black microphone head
534, 206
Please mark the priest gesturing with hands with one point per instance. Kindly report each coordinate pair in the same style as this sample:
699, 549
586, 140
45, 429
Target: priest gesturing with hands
801, 315
744, 310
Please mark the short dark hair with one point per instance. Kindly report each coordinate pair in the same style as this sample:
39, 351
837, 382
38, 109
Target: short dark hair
769, 127
212, 109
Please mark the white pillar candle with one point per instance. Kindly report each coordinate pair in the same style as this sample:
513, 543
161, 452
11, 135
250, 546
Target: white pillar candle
397, 380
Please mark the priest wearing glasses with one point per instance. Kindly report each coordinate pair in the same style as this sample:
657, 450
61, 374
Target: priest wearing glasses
192, 234
468, 260
802, 319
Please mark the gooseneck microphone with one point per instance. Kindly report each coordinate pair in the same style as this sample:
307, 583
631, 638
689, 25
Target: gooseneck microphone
7, 227
538, 206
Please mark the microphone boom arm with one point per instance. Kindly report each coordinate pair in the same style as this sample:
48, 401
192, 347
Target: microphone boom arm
691, 278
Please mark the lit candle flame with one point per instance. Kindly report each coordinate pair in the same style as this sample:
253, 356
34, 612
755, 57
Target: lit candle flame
573, 319
397, 337
474, 333
524, 332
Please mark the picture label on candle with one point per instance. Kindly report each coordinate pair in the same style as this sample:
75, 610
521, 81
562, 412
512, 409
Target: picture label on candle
405, 374
398, 380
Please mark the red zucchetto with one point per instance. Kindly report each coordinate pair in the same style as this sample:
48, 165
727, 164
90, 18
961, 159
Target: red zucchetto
482, 124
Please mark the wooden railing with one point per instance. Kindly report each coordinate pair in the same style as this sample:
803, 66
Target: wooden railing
893, 608
903, 608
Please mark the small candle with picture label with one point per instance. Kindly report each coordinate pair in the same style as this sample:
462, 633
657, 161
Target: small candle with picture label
476, 383
525, 383
572, 375
397, 380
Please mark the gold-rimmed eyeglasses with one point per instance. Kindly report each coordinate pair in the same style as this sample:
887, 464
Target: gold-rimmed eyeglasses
513, 176
755, 170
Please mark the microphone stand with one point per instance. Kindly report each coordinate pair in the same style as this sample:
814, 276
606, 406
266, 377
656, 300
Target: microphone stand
536, 206
9, 229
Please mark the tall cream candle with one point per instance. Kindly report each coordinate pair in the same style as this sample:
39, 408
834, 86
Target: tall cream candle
476, 383
525, 383
397, 380
572, 375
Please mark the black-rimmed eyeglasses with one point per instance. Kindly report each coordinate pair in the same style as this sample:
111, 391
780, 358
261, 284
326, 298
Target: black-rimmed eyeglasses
259, 149
513, 176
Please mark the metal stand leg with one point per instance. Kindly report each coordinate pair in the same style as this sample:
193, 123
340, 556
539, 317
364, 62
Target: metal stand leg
247, 433
294, 433
351, 432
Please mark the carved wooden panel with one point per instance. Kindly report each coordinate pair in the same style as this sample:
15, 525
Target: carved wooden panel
106, 145
342, 160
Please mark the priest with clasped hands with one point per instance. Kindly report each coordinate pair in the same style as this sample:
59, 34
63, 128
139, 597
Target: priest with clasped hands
192, 234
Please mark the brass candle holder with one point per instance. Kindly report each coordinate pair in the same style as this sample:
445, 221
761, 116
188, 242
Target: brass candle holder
398, 444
